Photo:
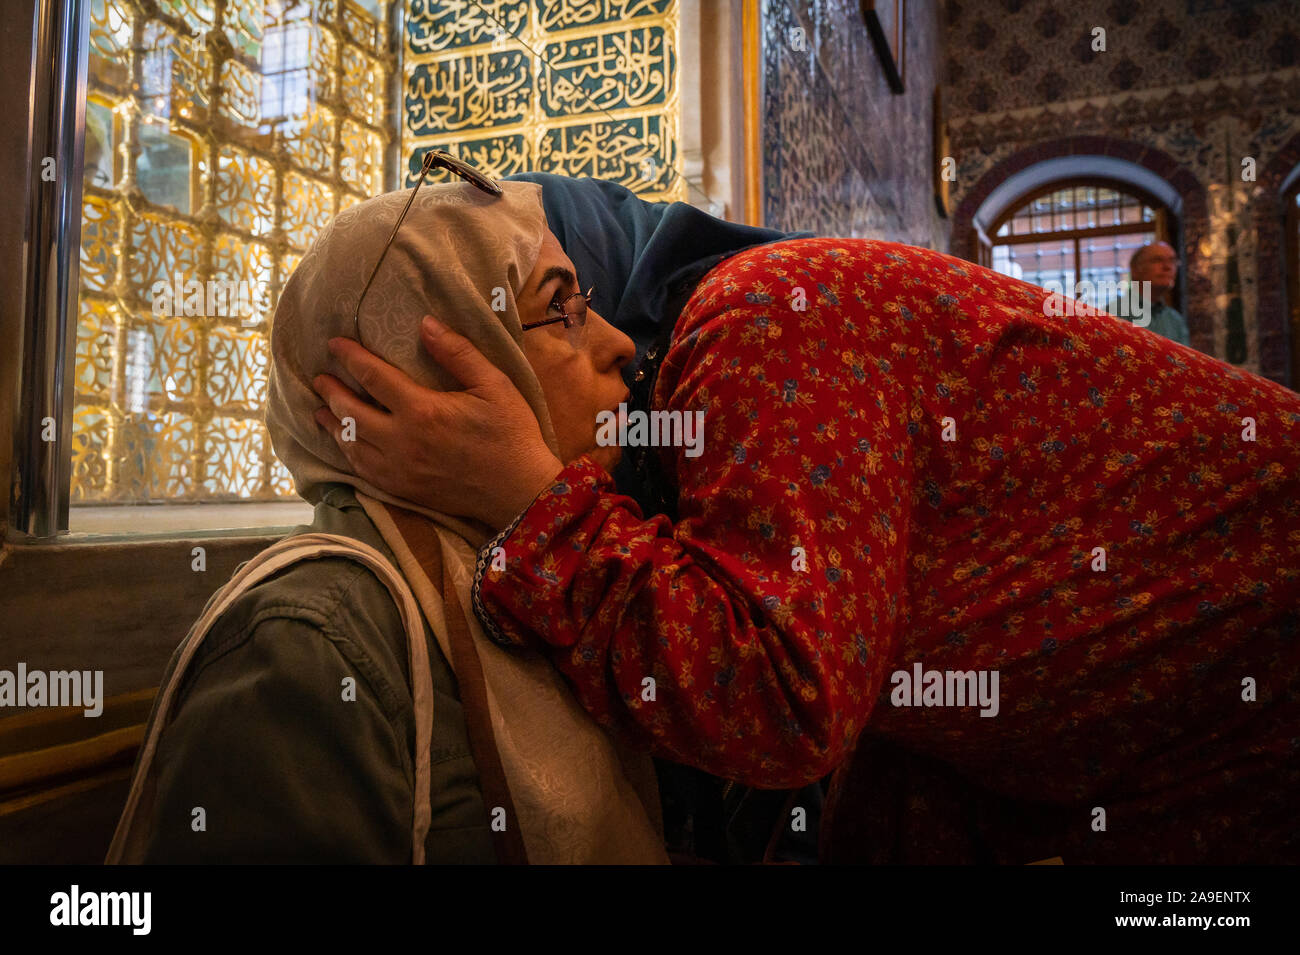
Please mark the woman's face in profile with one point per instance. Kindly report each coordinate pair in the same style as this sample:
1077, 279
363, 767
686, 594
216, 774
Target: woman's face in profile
578, 382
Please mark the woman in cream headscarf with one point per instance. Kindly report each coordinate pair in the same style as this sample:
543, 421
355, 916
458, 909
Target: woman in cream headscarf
297, 723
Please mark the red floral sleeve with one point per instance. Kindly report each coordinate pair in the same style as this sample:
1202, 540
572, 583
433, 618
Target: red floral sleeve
765, 615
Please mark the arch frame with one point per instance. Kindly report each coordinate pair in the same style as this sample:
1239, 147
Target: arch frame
1153, 169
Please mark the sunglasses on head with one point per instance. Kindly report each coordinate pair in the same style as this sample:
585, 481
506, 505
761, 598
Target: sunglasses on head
442, 160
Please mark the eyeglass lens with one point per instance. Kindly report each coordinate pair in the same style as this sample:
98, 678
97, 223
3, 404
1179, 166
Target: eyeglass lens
574, 311
573, 308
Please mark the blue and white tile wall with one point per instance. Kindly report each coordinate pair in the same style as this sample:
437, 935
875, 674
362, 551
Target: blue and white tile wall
842, 153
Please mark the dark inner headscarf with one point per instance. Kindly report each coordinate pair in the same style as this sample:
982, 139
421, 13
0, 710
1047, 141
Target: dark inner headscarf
645, 260
639, 254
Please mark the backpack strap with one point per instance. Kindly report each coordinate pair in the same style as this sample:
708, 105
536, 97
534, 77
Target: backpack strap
129, 837
426, 548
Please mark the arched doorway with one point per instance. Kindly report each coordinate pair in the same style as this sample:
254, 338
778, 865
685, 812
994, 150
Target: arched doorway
1142, 169
1077, 231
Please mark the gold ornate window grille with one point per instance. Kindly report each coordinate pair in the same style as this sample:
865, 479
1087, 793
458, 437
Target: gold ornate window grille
267, 117
221, 136
575, 87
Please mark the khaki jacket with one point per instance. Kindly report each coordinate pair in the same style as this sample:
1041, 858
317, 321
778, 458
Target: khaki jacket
293, 731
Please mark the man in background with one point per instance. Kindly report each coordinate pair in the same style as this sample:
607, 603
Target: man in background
1156, 263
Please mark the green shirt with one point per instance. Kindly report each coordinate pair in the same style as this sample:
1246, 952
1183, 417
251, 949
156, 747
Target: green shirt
284, 768
1165, 320
1168, 322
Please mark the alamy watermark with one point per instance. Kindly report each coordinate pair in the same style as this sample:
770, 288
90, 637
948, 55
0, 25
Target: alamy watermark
655, 429
1121, 299
75, 907
84, 688
219, 298
921, 687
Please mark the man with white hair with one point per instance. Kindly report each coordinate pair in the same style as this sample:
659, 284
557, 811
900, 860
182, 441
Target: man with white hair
1157, 263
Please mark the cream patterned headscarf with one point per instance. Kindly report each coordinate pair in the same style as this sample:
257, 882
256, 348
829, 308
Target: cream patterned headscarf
457, 250
580, 797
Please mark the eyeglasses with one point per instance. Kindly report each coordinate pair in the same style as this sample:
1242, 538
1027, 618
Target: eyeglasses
575, 323
443, 160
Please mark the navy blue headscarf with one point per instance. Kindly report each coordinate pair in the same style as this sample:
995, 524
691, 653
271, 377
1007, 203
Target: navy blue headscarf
645, 258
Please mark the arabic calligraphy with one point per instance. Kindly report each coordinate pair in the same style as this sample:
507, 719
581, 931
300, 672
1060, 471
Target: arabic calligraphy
629, 69
562, 14
636, 153
576, 87
434, 25
477, 91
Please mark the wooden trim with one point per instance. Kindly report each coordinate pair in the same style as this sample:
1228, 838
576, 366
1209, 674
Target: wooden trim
42, 748
52, 726
40, 767
27, 801
751, 73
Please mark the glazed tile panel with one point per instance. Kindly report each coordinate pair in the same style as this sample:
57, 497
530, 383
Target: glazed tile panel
995, 50
842, 154
576, 87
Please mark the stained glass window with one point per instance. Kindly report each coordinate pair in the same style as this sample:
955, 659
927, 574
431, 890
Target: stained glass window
221, 136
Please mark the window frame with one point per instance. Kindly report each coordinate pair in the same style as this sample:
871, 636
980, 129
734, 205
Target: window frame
38, 508
45, 322
41, 468
1164, 225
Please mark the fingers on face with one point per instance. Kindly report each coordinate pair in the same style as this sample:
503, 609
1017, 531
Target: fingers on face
390, 385
347, 435
457, 355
